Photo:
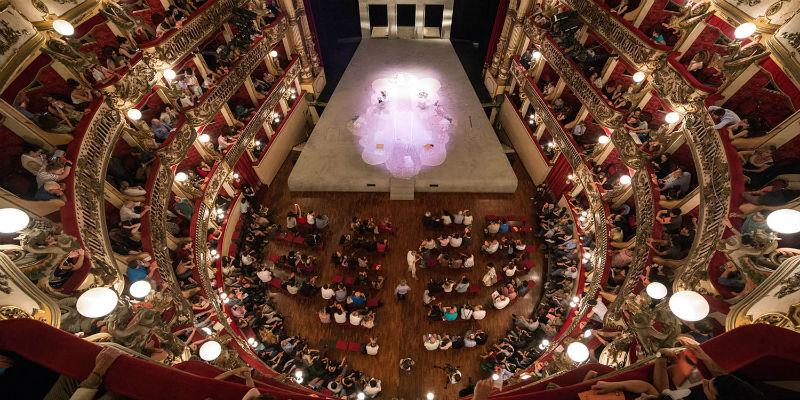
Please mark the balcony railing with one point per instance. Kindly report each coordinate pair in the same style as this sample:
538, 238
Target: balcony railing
599, 208
630, 42
179, 42
86, 189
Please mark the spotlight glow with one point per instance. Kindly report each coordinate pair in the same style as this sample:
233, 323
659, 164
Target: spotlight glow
429, 396
405, 127
273, 54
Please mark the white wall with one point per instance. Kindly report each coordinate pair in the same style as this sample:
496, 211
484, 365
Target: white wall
523, 143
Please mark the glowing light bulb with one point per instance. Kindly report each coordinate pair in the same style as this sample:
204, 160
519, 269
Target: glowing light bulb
525, 377
536, 55
134, 114
782, 221
181, 176
571, 177
97, 302
273, 54
140, 289
578, 352
298, 373
688, 305
210, 350
587, 333
63, 28
361, 396
13, 220
169, 74
603, 139
639, 76
656, 290
744, 30
495, 377
235, 175
545, 342
204, 138
625, 179
429, 396
672, 117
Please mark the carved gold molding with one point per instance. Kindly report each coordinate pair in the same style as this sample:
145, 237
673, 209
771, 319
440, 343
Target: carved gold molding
788, 273
88, 183
48, 310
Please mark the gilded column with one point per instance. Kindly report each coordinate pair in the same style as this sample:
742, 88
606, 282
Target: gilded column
308, 39
514, 41
511, 16
293, 17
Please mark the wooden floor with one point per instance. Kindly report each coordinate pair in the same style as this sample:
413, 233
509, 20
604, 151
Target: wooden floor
401, 325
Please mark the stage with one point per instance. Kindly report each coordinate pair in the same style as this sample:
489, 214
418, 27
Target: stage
404, 114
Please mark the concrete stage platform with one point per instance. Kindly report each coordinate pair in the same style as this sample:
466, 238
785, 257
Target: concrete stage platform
331, 160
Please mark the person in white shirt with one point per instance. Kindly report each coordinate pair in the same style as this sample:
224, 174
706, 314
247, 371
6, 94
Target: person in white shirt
427, 298
463, 285
469, 262
458, 219
324, 317
490, 277
490, 247
726, 117
510, 270
401, 290
467, 218
493, 228
500, 301
264, 275
446, 219
372, 347
413, 258
373, 388
519, 245
355, 318
466, 312
448, 285
469, 340
456, 241
431, 341
327, 292
340, 316
128, 214
478, 313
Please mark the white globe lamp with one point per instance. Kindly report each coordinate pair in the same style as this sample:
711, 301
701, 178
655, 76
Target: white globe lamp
744, 30
578, 352
204, 138
688, 305
63, 28
536, 55
13, 220
181, 177
210, 350
672, 117
140, 289
625, 179
603, 139
134, 114
784, 221
639, 76
169, 74
656, 290
97, 302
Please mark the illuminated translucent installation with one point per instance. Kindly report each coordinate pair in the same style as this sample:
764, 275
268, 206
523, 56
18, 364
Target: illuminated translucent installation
405, 127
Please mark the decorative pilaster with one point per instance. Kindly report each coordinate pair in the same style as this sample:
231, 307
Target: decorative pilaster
294, 17
511, 18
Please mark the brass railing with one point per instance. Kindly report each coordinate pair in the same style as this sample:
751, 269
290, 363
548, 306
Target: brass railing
630, 44
584, 177
212, 103
88, 191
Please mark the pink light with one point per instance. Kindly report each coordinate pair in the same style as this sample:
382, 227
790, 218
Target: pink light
405, 127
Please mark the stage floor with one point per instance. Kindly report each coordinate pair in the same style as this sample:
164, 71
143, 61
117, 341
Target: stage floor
331, 160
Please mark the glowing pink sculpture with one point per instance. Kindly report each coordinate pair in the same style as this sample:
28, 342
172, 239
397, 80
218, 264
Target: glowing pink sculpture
405, 126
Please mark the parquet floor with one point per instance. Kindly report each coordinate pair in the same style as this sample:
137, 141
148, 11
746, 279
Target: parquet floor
401, 325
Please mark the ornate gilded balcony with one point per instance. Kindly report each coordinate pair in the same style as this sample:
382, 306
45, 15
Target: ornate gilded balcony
175, 45
584, 177
589, 96
213, 101
86, 189
205, 267
630, 42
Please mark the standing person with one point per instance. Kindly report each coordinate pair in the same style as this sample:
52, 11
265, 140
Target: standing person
402, 289
413, 258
